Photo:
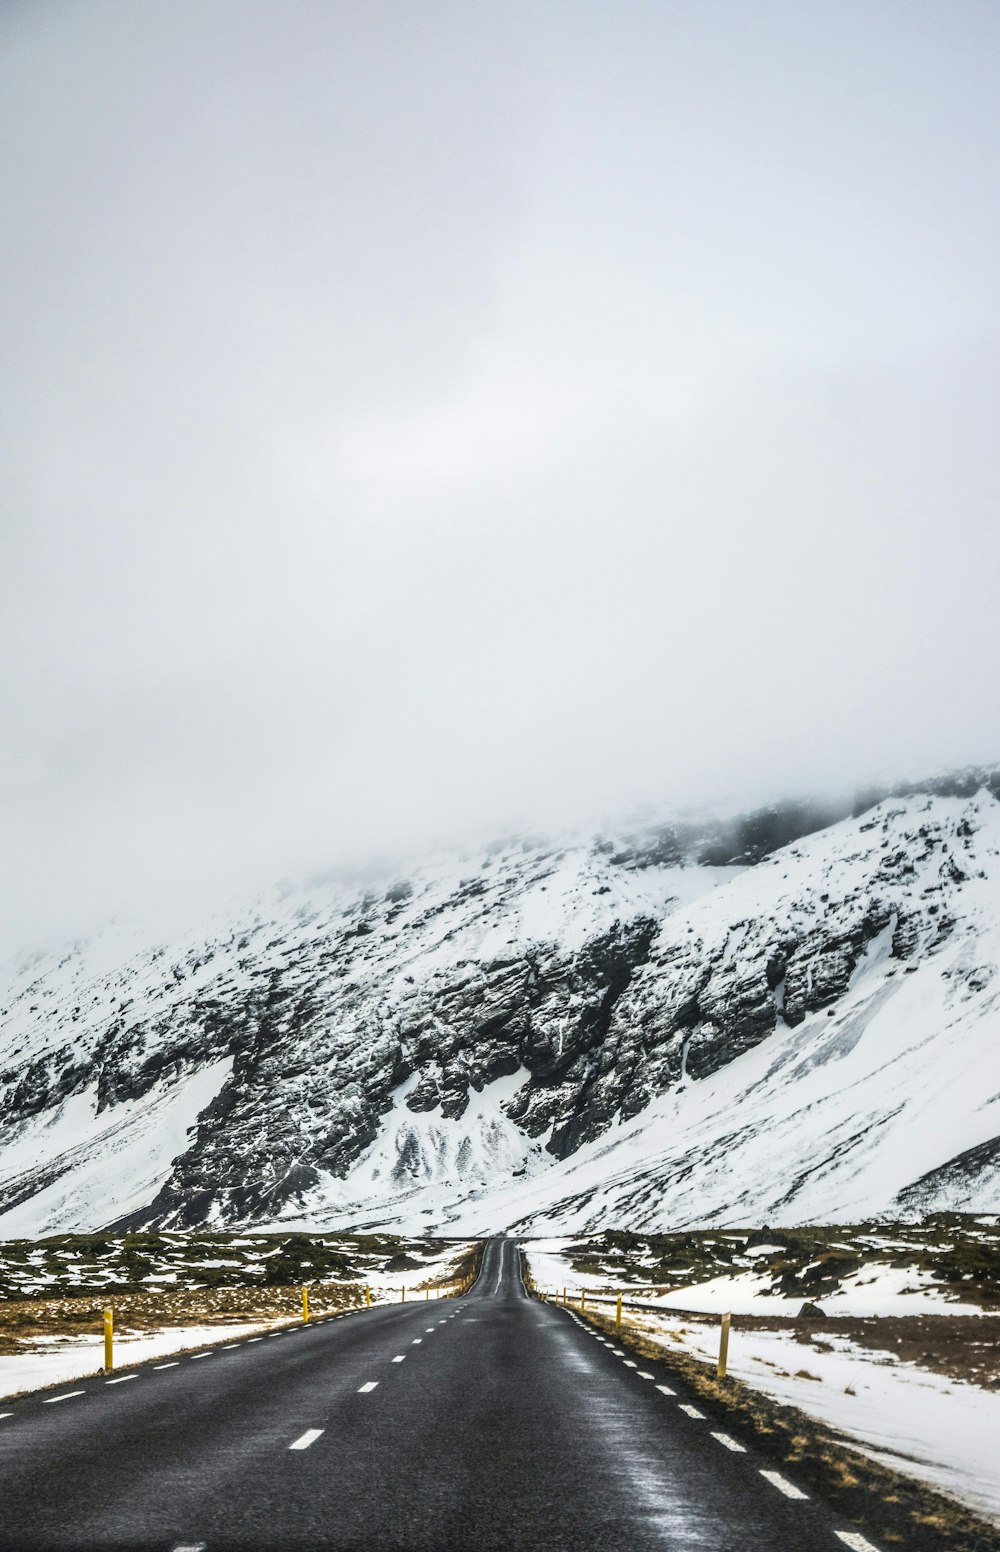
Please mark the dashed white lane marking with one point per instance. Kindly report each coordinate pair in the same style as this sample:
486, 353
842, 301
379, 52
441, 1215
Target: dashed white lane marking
195, 1356
121, 1379
67, 1395
255, 1339
691, 1411
274, 1333
643, 1374
174, 1364
230, 1347
191, 1546
857, 1543
416, 1341
783, 1485
619, 1350
730, 1444
368, 1385
628, 1364
400, 1358
6, 1414
429, 1330
305, 1439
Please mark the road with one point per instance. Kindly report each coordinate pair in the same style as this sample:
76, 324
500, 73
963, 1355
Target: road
491, 1421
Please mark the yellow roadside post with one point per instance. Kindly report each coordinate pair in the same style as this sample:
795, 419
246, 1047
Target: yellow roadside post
583, 1300
428, 1293
564, 1298
618, 1311
723, 1346
305, 1302
402, 1295
109, 1340
368, 1297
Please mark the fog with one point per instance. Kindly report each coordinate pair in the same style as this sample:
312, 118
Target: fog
425, 420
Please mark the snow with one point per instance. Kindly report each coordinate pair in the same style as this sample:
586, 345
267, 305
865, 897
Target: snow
876, 1289
420, 1155
106, 1164
56, 1363
942, 1431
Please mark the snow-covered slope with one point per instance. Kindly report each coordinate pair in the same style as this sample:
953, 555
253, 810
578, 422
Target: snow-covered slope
772, 1017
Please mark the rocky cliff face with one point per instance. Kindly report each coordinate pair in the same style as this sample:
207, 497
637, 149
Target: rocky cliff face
486, 1027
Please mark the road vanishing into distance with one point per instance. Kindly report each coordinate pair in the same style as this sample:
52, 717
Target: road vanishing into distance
490, 1421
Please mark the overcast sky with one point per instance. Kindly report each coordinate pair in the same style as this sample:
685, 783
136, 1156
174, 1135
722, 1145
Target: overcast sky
421, 418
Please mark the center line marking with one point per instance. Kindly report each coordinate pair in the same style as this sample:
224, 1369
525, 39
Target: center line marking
121, 1379
783, 1485
400, 1359
368, 1385
305, 1439
175, 1364
67, 1395
416, 1341
691, 1411
730, 1444
429, 1331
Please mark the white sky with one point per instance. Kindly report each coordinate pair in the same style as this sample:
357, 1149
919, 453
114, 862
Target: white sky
426, 418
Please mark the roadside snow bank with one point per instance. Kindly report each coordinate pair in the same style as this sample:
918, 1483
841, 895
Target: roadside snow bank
942, 1431
75, 1358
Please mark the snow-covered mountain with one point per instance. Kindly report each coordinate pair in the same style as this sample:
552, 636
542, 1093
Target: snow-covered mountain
792, 1015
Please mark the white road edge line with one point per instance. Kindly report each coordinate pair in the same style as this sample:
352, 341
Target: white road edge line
783, 1485
857, 1543
305, 1439
120, 1380
67, 1395
367, 1386
730, 1443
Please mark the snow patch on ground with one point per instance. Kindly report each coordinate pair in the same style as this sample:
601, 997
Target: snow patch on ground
942, 1431
79, 1357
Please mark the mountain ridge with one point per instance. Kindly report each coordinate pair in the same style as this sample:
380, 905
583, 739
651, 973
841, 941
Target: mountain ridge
460, 1046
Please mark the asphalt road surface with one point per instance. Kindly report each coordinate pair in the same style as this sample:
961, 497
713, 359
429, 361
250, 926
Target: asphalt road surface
491, 1421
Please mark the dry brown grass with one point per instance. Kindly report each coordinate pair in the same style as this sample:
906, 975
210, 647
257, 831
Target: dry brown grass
24, 1319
